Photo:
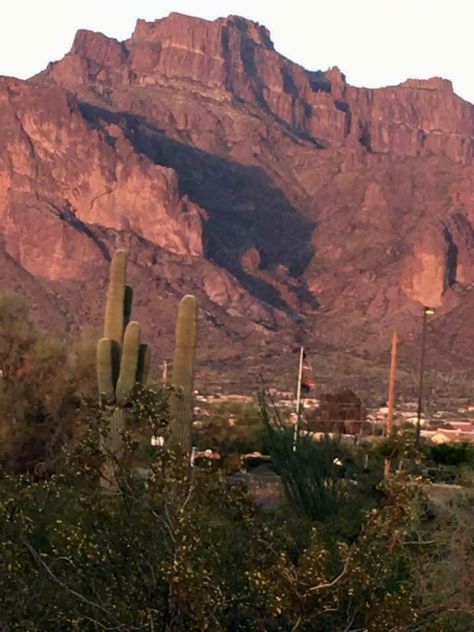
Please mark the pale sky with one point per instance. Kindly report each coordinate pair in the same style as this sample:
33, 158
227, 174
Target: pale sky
374, 42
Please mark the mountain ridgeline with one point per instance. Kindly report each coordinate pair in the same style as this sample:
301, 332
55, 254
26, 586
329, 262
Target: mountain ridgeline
292, 204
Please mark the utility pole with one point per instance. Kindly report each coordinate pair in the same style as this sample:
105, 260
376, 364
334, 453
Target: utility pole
391, 393
298, 398
426, 311
391, 383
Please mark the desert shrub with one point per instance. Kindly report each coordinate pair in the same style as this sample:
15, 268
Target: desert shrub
186, 550
324, 480
452, 454
38, 395
443, 566
183, 551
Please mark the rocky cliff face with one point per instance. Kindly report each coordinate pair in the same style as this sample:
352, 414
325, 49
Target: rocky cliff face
235, 59
288, 200
54, 163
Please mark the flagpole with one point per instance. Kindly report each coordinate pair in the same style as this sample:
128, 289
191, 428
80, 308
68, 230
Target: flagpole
298, 398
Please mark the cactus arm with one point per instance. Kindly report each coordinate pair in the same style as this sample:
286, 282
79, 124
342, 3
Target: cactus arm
105, 373
143, 366
181, 404
116, 359
121, 362
186, 326
114, 311
128, 365
127, 305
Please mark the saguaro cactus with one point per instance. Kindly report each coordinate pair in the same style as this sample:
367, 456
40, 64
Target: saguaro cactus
181, 403
122, 361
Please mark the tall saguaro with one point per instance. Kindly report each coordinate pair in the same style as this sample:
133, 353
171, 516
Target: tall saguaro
122, 362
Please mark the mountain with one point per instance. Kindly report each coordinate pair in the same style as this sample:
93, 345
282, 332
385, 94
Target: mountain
295, 206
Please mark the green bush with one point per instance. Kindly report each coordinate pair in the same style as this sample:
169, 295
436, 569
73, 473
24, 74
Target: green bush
453, 454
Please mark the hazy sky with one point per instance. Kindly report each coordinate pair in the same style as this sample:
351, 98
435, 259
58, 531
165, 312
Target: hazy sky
374, 42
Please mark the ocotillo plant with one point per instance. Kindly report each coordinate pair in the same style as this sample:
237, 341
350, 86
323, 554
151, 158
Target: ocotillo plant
182, 379
122, 362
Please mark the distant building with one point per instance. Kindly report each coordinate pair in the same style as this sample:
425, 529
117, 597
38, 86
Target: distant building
447, 435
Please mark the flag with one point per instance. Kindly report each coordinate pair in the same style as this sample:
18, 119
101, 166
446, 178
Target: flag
305, 388
307, 381
306, 364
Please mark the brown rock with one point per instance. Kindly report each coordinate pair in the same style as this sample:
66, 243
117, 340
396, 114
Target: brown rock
250, 260
59, 175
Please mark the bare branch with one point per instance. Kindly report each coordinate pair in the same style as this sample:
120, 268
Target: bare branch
56, 580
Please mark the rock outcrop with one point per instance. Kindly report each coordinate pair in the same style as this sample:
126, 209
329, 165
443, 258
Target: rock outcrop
60, 175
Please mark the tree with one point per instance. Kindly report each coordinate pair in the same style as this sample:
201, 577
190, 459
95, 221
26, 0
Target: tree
37, 394
341, 411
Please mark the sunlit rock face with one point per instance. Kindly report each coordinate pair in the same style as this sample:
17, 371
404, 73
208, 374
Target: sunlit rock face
427, 270
289, 201
58, 172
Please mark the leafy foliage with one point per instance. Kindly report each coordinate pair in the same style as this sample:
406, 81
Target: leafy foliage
184, 550
38, 396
